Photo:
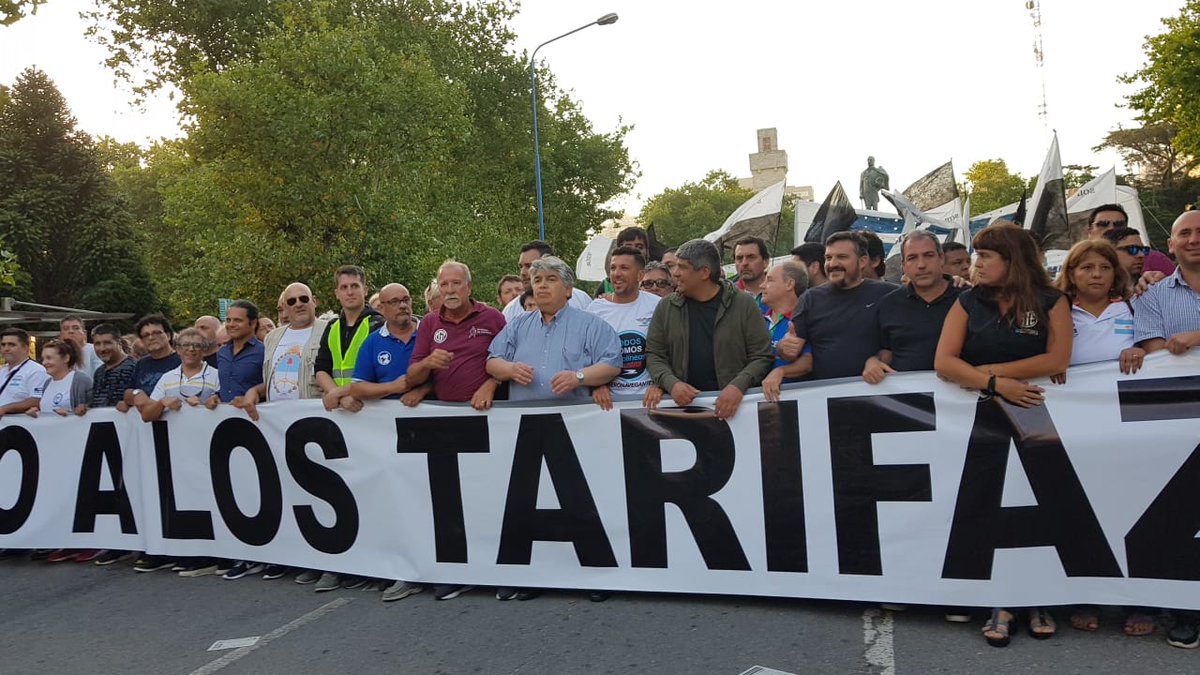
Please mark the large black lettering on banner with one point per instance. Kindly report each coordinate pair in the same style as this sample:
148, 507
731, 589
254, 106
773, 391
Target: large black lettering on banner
1063, 517
18, 439
102, 446
442, 439
1163, 544
544, 437
783, 487
859, 484
322, 482
176, 524
648, 489
237, 432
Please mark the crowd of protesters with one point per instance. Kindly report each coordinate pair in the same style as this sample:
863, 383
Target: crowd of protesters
988, 318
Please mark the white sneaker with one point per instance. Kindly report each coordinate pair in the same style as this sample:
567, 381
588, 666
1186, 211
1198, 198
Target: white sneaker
400, 590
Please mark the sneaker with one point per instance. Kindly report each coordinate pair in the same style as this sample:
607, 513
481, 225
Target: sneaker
199, 570
244, 569
223, 567
40, 553
449, 592
505, 593
351, 583
893, 607
6, 553
599, 596
61, 554
400, 590
957, 616
524, 594
88, 555
181, 566
153, 563
1186, 633
308, 577
328, 582
110, 557
274, 572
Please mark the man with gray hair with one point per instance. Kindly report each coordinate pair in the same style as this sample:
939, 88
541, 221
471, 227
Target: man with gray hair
783, 285
910, 318
557, 351
707, 336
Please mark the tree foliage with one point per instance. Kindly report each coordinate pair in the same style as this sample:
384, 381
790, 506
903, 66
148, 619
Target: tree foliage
991, 185
1170, 81
59, 211
1151, 151
12, 11
388, 134
693, 209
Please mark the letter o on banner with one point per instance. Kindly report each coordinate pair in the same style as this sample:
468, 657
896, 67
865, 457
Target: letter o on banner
242, 433
20, 441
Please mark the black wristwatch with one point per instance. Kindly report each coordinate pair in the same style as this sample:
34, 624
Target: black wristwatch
991, 386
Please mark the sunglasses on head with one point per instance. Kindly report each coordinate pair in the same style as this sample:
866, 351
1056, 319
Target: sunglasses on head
1105, 224
1134, 249
302, 299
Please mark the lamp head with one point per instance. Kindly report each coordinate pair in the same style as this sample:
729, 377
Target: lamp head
611, 17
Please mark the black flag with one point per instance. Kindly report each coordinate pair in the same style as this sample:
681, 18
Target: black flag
836, 214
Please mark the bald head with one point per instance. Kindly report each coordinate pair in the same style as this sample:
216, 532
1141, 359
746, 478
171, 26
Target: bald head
209, 325
300, 305
395, 304
1185, 241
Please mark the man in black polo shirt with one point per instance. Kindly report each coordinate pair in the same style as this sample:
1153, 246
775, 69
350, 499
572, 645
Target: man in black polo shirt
911, 317
837, 319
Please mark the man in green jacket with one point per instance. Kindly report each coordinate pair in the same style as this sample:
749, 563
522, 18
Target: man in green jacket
706, 336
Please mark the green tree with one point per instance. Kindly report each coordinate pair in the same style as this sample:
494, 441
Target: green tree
325, 97
1170, 80
12, 11
1151, 149
59, 211
991, 185
693, 209
1078, 175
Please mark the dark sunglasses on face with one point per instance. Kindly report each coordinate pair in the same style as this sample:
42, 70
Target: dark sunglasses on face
302, 299
1105, 224
660, 283
1134, 250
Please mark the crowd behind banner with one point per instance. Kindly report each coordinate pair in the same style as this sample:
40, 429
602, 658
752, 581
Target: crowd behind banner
657, 329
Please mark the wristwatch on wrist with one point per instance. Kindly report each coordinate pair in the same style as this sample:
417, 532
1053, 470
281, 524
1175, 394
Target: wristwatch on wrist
136, 392
579, 376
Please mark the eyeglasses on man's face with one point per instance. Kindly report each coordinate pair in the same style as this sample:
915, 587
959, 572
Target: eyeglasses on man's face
1134, 249
302, 299
656, 283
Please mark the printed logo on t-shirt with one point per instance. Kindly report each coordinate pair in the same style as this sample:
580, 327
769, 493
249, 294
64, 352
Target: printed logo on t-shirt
440, 335
633, 355
1028, 324
287, 372
383, 358
1123, 327
478, 330
58, 398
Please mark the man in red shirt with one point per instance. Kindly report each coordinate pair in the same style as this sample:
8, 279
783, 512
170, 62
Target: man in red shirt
452, 345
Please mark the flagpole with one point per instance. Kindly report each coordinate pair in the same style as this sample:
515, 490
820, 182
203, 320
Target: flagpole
605, 20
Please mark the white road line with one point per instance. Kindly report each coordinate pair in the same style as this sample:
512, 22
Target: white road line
877, 642
235, 655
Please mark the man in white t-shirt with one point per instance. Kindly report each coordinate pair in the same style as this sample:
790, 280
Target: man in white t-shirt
22, 379
71, 330
628, 310
290, 354
530, 252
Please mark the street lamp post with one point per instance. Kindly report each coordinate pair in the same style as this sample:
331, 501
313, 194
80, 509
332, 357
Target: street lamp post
537, 155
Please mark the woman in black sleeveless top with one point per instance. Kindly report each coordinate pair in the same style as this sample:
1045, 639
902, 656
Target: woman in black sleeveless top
1012, 327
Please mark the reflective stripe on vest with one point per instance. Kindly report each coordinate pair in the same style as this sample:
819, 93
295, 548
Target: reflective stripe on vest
343, 363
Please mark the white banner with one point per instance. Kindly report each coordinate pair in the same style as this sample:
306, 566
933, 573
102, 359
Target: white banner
910, 491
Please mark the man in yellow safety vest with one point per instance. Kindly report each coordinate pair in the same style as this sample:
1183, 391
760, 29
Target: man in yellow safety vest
344, 336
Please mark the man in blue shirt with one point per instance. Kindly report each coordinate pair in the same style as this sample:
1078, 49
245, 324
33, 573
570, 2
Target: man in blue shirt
383, 358
557, 351
239, 361
1167, 316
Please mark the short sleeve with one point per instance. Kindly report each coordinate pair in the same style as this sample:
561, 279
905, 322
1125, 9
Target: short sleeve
159, 392
363, 370
801, 315
603, 344
421, 348
504, 346
1147, 317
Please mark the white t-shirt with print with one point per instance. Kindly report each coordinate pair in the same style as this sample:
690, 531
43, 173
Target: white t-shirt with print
631, 320
174, 383
28, 381
1101, 338
288, 356
57, 394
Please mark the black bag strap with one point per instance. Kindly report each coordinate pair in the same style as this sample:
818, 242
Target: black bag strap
10, 375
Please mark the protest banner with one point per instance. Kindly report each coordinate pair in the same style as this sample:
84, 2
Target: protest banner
910, 491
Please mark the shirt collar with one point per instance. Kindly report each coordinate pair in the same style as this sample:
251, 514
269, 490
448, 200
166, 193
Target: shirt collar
384, 332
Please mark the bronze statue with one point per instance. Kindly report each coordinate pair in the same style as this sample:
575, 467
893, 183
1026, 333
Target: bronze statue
872, 180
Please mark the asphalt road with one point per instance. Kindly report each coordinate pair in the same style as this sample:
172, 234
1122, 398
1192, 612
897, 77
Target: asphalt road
71, 617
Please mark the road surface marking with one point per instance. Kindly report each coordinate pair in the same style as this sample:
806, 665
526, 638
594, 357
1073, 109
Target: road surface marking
877, 640
242, 652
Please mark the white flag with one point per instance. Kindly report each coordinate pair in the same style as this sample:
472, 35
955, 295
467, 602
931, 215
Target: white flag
756, 218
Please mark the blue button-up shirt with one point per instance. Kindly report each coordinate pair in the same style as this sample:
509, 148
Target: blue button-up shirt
573, 340
1167, 308
238, 373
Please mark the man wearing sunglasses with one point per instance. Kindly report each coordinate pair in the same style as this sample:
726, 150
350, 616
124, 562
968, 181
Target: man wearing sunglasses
1108, 217
1131, 252
290, 354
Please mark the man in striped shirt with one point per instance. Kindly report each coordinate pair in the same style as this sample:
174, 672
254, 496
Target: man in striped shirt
1167, 315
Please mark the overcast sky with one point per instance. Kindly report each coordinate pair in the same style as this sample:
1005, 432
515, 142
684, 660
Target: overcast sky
912, 83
